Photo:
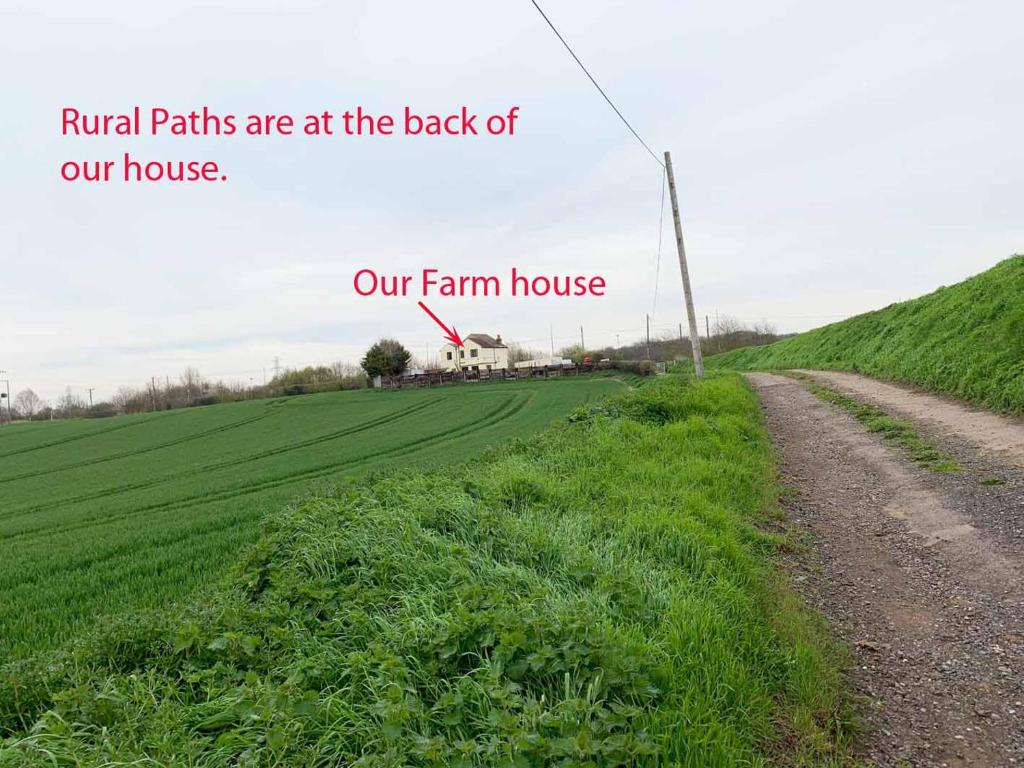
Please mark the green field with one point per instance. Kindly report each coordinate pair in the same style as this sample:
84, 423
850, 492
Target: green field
100, 517
601, 594
965, 340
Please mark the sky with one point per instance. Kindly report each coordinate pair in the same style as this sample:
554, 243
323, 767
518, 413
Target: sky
831, 158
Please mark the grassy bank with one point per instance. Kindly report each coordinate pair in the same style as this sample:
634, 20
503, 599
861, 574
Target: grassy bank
601, 594
965, 340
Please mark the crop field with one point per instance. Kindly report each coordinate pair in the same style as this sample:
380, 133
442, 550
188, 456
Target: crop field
97, 517
603, 593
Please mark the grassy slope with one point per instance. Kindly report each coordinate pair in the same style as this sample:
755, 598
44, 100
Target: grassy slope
103, 516
965, 340
600, 594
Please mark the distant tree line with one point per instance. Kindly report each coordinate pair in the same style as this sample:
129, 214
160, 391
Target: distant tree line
28, 406
188, 390
320, 378
726, 333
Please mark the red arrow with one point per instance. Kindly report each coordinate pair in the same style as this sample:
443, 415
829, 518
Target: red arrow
451, 335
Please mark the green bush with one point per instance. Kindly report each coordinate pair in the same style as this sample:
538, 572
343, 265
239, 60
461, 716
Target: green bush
638, 367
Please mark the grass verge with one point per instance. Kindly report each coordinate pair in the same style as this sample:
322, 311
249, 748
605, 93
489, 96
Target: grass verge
602, 594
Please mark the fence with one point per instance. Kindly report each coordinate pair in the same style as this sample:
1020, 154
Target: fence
440, 378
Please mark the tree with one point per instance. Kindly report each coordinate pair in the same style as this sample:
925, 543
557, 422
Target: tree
343, 370
302, 380
192, 381
131, 400
70, 404
28, 403
386, 358
575, 352
517, 353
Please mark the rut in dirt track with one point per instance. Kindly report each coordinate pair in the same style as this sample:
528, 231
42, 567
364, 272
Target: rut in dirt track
920, 574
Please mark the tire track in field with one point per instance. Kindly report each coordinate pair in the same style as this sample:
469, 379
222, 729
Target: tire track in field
159, 446
495, 417
135, 422
85, 436
386, 419
141, 485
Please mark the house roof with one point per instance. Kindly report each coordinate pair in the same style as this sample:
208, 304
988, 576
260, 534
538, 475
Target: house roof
486, 341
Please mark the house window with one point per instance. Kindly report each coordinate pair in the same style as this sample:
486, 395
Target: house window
462, 353
449, 355
473, 352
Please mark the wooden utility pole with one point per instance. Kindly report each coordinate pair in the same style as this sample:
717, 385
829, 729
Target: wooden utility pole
6, 396
698, 360
648, 337
583, 346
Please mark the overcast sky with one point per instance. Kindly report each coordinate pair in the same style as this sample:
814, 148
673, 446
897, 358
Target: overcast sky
831, 158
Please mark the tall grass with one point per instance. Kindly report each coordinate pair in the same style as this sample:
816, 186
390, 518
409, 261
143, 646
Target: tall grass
602, 594
965, 340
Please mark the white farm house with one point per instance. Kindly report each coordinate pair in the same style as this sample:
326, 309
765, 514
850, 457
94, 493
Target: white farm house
480, 353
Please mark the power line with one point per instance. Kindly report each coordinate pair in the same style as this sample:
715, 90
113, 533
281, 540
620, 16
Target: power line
599, 88
661, 231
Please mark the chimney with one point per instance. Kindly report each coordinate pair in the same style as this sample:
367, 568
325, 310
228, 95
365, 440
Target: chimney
498, 338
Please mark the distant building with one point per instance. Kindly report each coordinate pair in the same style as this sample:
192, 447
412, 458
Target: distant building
480, 353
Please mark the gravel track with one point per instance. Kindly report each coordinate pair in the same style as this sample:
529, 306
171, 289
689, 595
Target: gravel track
990, 432
919, 573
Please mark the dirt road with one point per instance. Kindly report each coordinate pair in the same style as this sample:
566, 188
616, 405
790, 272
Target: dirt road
920, 574
942, 416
